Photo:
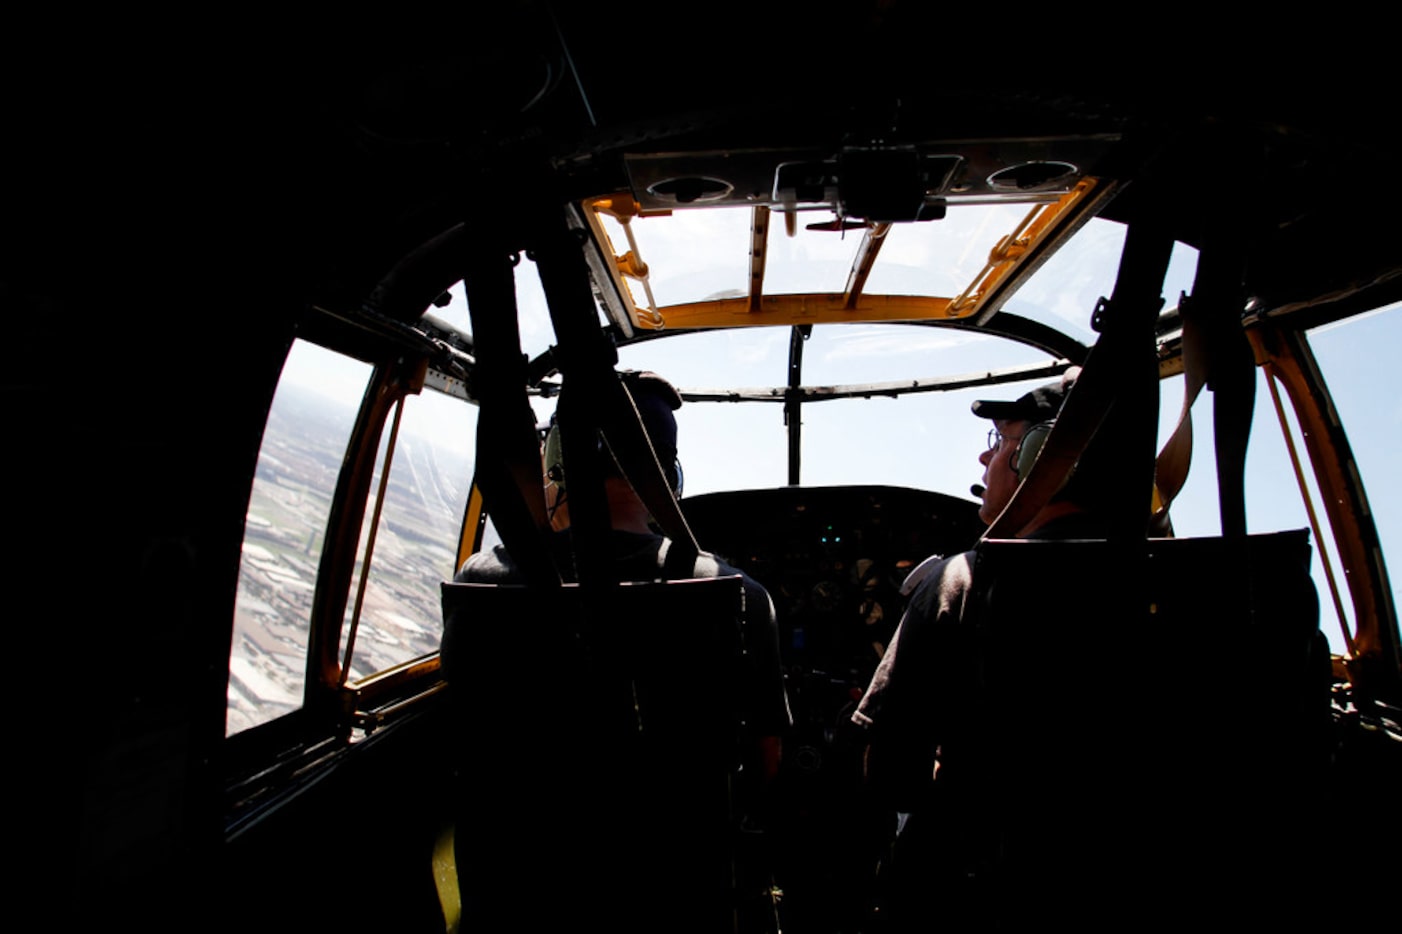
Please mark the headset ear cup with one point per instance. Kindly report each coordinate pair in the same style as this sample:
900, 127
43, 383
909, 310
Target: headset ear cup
554, 463
1032, 440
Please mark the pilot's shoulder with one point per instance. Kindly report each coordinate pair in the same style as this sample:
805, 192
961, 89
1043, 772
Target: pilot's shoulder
939, 582
709, 565
488, 567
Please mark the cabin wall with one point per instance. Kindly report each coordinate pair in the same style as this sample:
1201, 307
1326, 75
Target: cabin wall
354, 847
144, 337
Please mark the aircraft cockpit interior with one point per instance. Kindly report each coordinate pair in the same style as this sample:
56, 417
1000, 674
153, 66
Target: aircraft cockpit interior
383, 322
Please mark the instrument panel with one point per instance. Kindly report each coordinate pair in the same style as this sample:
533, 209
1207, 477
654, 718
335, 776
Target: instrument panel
833, 559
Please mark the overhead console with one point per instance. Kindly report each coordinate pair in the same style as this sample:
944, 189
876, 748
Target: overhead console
877, 180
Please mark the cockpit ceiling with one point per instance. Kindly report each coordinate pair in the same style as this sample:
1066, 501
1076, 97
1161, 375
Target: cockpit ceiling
879, 109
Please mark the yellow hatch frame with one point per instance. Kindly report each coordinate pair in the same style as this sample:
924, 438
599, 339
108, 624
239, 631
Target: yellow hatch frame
853, 304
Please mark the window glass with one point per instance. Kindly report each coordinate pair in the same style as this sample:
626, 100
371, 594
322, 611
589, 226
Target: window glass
908, 441
731, 446
533, 315
1355, 355
1063, 292
415, 541
838, 355
740, 358
723, 445
924, 440
698, 255
930, 441
304, 442
940, 257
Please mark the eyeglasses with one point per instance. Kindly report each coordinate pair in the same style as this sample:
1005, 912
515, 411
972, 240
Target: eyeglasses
996, 438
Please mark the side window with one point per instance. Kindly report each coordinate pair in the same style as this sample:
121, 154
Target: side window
1353, 355
414, 533
1356, 356
1273, 499
304, 442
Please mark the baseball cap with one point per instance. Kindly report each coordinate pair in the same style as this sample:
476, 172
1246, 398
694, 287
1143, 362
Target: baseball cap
1039, 405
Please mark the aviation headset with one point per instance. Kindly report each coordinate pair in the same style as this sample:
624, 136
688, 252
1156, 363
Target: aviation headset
555, 461
1027, 449
650, 408
1039, 409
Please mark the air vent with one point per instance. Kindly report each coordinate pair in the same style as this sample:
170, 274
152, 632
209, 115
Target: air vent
1033, 176
698, 189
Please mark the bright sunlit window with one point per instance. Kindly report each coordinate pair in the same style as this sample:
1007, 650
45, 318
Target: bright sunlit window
303, 444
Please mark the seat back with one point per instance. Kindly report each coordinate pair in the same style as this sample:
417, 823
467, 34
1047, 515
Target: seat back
597, 740
1152, 723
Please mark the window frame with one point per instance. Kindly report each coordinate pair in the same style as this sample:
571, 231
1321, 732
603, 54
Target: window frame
333, 706
1289, 363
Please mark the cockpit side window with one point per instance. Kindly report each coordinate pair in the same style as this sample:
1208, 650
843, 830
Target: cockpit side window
1352, 356
410, 532
1355, 356
304, 442
416, 536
